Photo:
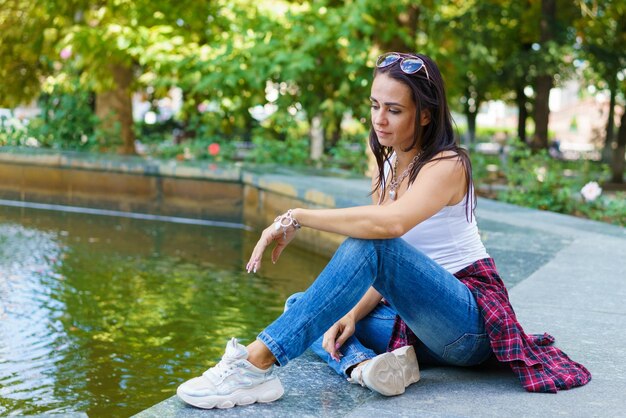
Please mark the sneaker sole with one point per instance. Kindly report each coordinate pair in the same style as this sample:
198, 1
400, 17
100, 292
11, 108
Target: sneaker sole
266, 392
408, 362
384, 375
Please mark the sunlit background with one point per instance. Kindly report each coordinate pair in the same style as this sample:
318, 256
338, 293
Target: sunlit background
94, 310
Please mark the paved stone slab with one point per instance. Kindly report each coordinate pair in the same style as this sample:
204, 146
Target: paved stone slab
589, 275
518, 251
312, 389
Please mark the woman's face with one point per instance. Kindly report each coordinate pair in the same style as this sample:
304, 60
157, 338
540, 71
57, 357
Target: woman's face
393, 112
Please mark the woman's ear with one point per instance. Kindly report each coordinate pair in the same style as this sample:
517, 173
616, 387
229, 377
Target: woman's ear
425, 117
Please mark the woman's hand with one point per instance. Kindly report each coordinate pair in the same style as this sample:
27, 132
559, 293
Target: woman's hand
269, 235
337, 335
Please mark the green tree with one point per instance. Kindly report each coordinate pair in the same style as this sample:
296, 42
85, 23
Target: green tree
472, 36
27, 34
602, 30
553, 60
112, 43
315, 59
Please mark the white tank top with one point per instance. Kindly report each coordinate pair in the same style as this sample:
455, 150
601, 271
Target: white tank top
447, 237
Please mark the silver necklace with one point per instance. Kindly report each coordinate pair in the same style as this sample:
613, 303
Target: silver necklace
396, 182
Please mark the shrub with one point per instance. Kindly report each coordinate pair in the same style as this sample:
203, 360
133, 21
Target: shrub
539, 181
291, 151
350, 154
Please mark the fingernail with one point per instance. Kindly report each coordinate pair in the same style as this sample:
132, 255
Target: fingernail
337, 345
254, 270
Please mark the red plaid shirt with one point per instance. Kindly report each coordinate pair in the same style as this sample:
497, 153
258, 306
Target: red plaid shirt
539, 366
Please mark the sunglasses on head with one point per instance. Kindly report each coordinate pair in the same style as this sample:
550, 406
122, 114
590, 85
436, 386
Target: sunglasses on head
409, 64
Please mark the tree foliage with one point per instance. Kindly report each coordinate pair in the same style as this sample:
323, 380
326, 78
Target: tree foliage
304, 63
602, 31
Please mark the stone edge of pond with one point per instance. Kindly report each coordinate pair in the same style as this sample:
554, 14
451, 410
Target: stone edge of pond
123, 164
315, 187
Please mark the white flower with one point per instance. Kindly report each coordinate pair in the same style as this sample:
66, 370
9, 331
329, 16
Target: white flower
541, 172
591, 191
31, 142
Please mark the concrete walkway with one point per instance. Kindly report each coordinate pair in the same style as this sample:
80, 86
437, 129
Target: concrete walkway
566, 276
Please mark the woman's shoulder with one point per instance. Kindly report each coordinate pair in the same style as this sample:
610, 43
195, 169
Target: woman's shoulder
448, 155
449, 170
451, 158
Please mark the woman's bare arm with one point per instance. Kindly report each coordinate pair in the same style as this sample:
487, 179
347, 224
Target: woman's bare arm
438, 184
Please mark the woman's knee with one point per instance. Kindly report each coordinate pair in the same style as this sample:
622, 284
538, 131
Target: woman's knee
292, 299
359, 245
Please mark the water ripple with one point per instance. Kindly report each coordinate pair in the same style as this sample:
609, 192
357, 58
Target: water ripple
108, 316
28, 259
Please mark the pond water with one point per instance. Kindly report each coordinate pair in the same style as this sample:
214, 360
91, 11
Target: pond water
108, 315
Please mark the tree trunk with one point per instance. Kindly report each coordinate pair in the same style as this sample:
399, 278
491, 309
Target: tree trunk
522, 113
543, 83
335, 137
607, 150
316, 134
115, 108
618, 163
470, 113
408, 20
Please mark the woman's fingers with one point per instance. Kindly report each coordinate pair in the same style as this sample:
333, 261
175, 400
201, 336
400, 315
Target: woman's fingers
330, 344
329, 338
270, 234
277, 251
255, 259
337, 335
282, 240
346, 333
257, 254
253, 265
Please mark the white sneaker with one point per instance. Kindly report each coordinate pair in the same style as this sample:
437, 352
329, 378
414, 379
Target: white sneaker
389, 373
233, 381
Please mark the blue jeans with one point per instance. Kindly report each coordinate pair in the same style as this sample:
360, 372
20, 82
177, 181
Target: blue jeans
438, 308
371, 337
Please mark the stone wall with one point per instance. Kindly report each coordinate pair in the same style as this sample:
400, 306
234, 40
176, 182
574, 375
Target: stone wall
251, 195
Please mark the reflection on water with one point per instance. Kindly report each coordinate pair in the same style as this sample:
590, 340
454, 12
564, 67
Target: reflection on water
108, 315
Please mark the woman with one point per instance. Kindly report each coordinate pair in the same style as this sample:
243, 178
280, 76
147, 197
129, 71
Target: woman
413, 280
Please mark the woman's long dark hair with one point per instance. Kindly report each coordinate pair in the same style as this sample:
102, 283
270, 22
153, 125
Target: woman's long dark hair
428, 93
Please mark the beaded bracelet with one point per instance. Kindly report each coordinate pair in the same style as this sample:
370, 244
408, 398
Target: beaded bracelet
285, 221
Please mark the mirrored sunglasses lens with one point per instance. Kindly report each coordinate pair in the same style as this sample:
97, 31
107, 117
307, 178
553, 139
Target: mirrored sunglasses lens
387, 60
411, 65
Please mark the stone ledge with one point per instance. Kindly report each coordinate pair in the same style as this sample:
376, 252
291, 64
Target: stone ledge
122, 164
313, 189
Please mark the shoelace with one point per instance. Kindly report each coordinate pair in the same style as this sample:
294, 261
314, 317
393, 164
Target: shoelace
223, 368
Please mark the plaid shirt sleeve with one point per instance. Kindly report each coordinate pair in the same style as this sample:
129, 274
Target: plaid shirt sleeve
540, 366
